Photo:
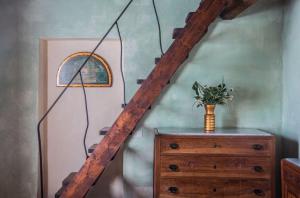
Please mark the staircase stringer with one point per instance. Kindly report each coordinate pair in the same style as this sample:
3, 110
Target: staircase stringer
151, 88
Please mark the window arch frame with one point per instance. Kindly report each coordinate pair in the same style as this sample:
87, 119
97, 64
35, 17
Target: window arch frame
96, 56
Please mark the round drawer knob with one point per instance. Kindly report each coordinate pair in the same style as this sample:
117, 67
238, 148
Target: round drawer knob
257, 147
217, 145
174, 146
258, 169
173, 190
259, 192
173, 167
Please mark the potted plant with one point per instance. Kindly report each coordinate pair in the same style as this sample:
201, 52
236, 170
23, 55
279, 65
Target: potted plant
209, 97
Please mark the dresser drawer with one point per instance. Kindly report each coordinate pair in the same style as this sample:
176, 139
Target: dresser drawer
214, 166
261, 146
192, 188
208, 188
255, 188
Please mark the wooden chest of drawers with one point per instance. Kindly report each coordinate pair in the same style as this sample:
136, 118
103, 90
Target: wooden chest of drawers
290, 176
228, 163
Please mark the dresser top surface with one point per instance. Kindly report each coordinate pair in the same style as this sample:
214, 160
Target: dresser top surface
217, 132
294, 161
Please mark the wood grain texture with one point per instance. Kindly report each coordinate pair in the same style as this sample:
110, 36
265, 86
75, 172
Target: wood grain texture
151, 88
219, 188
290, 178
214, 166
156, 166
239, 146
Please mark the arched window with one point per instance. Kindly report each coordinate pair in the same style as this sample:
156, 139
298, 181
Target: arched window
96, 72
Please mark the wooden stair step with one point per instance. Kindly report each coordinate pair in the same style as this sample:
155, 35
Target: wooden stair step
68, 179
139, 81
65, 182
189, 16
92, 148
177, 32
104, 130
124, 105
59, 192
157, 60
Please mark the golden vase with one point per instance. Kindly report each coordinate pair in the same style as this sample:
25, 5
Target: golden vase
209, 118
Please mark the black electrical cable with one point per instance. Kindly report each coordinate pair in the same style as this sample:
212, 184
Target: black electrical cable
61, 94
86, 115
121, 63
84, 91
159, 27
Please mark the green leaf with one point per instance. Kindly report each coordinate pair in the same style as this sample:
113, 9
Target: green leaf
196, 88
211, 94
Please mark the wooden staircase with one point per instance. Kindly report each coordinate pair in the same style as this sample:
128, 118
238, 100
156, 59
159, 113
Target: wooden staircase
76, 185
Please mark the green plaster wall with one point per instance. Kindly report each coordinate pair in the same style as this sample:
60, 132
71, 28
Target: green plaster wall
245, 51
291, 80
17, 112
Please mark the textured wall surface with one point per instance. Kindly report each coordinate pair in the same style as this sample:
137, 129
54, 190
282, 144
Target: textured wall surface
291, 80
245, 51
18, 158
